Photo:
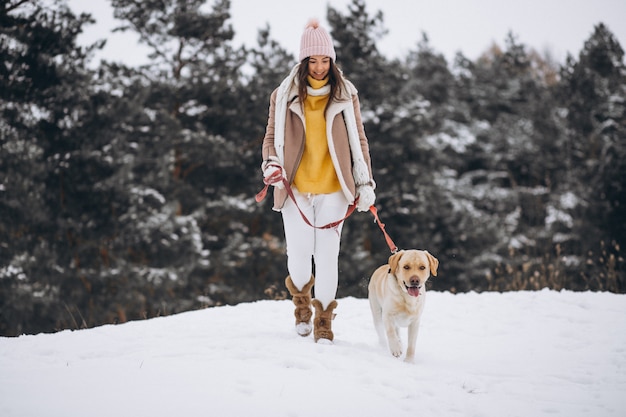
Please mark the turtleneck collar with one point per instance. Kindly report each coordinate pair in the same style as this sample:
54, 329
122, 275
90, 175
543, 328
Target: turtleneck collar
317, 83
318, 87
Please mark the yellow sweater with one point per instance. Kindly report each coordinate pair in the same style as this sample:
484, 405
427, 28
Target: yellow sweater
316, 173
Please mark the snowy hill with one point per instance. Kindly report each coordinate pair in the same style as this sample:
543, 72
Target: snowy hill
515, 354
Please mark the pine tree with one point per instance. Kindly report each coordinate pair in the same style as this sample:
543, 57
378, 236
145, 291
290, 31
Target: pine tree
195, 80
47, 164
594, 92
355, 35
197, 154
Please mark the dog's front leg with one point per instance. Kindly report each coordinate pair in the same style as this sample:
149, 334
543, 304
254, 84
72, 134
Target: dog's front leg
377, 316
393, 337
410, 351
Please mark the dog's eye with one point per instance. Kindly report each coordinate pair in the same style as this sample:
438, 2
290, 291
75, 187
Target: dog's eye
422, 267
406, 267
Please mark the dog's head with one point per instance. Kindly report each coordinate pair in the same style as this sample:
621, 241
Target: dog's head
412, 268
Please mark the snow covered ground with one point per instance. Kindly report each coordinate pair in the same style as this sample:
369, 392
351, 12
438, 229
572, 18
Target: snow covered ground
514, 354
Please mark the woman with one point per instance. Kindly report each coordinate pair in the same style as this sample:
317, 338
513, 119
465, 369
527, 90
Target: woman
315, 139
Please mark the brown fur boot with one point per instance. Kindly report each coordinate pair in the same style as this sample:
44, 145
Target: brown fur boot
323, 321
302, 301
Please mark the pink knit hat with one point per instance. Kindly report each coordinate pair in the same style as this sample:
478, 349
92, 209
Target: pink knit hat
316, 41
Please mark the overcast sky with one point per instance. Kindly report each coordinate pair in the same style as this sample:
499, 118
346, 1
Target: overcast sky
468, 26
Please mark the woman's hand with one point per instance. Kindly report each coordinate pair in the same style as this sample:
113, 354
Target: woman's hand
366, 196
271, 169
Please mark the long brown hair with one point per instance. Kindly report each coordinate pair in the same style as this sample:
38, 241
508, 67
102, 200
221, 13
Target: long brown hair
335, 80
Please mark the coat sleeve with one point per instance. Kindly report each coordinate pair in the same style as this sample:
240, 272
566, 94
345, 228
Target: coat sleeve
268, 140
362, 137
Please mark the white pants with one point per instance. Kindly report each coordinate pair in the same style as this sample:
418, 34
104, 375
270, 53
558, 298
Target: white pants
322, 245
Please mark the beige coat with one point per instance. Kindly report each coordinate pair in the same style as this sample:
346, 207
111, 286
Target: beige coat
338, 142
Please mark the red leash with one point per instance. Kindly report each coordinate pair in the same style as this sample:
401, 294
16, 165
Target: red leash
277, 176
392, 246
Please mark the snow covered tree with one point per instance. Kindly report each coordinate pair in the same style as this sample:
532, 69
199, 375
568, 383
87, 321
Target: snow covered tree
594, 92
188, 144
268, 63
194, 79
47, 166
355, 35
428, 73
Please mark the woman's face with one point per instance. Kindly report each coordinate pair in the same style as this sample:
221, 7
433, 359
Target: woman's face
319, 65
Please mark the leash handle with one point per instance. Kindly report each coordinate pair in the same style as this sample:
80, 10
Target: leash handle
276, 177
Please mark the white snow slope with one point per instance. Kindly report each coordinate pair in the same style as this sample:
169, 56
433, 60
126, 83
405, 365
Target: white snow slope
524, 354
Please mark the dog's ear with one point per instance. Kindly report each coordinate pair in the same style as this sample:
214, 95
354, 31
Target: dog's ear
433, 262
393, 261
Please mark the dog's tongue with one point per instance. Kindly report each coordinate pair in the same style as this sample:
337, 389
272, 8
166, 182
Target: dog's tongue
414, 291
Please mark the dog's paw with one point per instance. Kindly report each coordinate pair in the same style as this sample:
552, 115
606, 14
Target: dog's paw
409, 359
395, 348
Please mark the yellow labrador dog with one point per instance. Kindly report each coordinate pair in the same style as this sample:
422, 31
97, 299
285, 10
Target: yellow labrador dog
397, 292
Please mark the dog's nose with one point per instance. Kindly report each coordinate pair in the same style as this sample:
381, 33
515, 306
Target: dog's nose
415, 281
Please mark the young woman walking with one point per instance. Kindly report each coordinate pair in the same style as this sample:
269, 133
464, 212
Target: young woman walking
315, 139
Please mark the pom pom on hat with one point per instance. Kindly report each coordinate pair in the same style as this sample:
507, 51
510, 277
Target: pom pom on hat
316, 41
312, 23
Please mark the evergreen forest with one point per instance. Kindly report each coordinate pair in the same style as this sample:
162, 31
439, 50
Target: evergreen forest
127, 193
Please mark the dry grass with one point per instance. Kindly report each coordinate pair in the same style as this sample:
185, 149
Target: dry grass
604, 270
